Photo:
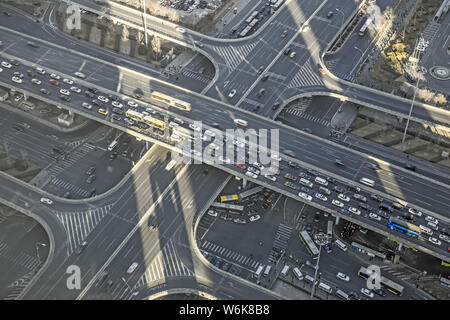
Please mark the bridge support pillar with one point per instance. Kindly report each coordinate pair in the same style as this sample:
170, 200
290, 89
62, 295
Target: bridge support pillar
71, 114
25, 97
244, 183
337, 220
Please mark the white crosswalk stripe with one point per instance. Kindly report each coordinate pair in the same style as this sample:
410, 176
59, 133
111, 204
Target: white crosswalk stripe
195, 75
282, 237
230, 255
232, 55
305, 77
167, 263
66, 162
64, 185
18, 286
17, 257
78, 225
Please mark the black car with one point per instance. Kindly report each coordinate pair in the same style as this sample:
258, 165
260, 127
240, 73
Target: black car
275, 106
266, 76
58, 150
293, 165
339, 189
113, 97
330, 14
379, 292
331, 180
14, 62
90, 171
116, 117
45, 91
308, 228
91, 193
91, 178
376, 197
112, 156
81, 247
339, 162
256, 108
287, 51
364, 206
410, 166
305, 190
65, 98
251, 204
93, 90
97, 103
312, 172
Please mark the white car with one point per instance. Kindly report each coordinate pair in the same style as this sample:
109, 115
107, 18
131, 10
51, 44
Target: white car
415, 212
367, 292
305, 196
6, 65
80, 75
444, 237
212, 213
374, 216
64, 92
232, 93
75, 89
255, 217
240, 122
343, 197
434, 241
36, 81
210, 133
276, 156
133, 104
321, 196
194, 127
226, 160
270, 177
337, 203
16, 79
86, 105
132, 267
251, 174
40, 70
68, 81
343, 276
431, 219
46, 201
354, 211
117, 104
55, 76
258, 165
1, 70
180, 29
305, 28
103, 99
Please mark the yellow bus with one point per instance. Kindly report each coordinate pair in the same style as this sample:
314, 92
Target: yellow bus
134, 115
155, 123
182, 105
161, 97
168, 101
229, 198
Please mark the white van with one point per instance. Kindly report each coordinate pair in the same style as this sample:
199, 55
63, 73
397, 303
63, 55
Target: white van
426, 230
325, 287
340, 245
341, 294
298, 273
259, 271
321, 181
285, 271
267, 271
306, 182
367, 182
309, 279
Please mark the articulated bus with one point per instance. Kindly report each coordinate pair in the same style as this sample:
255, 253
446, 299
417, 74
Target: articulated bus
391, 286
245, 31
168, 101
231, 197
155, 123
251, 17
404, 227
134, 115
310, 245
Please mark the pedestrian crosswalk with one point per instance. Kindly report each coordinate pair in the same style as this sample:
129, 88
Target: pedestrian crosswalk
195, 75
78, 225
167, 263
430, 31
76, 192
74, 144
392, 271
17, 257
306, 77
19, 285
281, 241
301, 114
230, 255
67, 161
234, 55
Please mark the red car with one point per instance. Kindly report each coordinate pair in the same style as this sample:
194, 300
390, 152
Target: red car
240, 166
100, 2
54, 82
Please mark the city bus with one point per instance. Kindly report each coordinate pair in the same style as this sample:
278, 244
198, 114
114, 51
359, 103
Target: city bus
113, 145
229, 198
134, 115
404, 227
253, 23
391, 286
310, 245
251, 17
155, 123
167, 101
363, 29
245, 31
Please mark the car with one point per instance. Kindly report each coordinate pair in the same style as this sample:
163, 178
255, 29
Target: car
40, 70
260, 70
81, 247
286, 51
338, 189
80, 74
226, 217
431, 219
16, 79
359, 197
432, 226
54, 82
307, 130
46, 201
337, 203
343, 197
68, 81
45, 91
180, 29
251, 174
86, 105
339, 162
75, 89
322, 71
308, 229
321, 196
374, 216
343, 277
64, 92
254, 170
232, 93
376, 197
36, 81
367, 292
153, 226
304, 175
354, 211
91, 178
117, 104
289, 153
112, 156
293, 54
270, 177
255, 218
212, 213
117, 111
284, 34
132, 268
305, 28
330, 14
444, 237
55, 76
90, 171
240, 122
14, 62
6, 13
117, 117
305, 196
379, 292
6, 65
240, 166
103, 99
252, 212
345, 211
132, 104
290, 184
410, 166
102, 111
65, 98
415, 212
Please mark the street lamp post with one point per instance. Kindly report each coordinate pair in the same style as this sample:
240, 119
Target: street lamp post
39, 244
321, 239
417, 74
144, 13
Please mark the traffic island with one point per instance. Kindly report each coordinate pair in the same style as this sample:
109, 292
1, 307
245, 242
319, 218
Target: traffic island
370, 131
412, 145
388, 138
